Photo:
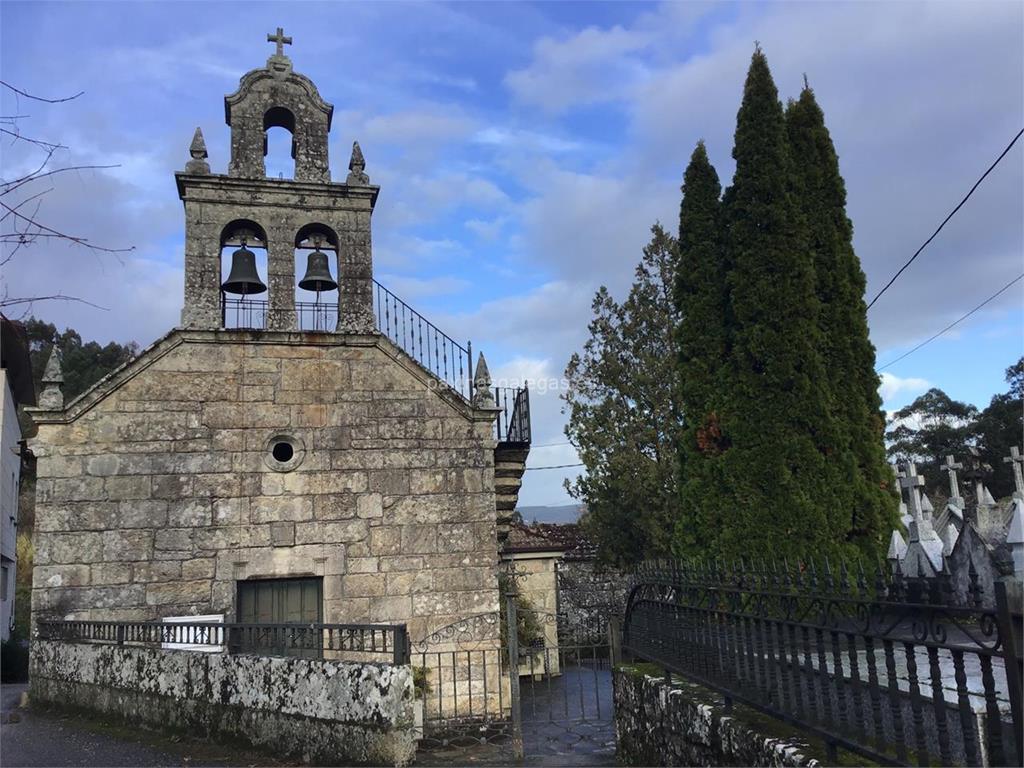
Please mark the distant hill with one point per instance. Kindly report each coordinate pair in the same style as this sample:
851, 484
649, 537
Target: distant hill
567, 513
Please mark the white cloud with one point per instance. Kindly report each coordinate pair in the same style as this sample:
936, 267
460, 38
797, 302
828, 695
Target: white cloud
410, 288
589, 67
893, 386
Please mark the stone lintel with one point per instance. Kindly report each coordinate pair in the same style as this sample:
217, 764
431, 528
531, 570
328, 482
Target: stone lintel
278, 189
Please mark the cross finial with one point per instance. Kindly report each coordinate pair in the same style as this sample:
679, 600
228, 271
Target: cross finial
951, 467
280, 39
1016, 460
912, 481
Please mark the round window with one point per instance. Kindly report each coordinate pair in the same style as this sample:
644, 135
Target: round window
284, 453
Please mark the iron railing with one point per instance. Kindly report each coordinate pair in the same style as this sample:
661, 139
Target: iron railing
424, 342
248, 314
313, 316
382, 642
513, 422
888, 671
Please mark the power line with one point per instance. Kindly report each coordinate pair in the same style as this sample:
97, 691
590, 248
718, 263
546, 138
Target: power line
551, 445
955, 322
950, 216
554, 466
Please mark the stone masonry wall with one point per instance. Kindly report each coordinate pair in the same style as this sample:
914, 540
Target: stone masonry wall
156, 491
330, 712
685, 724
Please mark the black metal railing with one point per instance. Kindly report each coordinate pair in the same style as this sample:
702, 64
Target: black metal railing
887, 670
513, 422
381, 642
243, 313
313, 316
424, 342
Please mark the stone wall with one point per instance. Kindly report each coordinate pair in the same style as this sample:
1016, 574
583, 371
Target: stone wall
329, 712
685, 724
157, 493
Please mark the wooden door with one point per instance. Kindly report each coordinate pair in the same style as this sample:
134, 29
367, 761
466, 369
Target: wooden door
297, 602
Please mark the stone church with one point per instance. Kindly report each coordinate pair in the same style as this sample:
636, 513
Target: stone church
274, 459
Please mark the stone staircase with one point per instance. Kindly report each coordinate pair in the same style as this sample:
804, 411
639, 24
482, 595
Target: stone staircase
509, 465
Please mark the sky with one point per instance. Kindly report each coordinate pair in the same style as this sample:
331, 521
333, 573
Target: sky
524, 151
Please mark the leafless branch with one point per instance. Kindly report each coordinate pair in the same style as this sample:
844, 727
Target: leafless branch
39, 98
21, 217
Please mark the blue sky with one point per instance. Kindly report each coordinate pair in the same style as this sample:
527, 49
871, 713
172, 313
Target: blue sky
523, 151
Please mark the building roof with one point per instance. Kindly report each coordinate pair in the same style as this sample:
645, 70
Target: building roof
14, 358
530, 538
566, 537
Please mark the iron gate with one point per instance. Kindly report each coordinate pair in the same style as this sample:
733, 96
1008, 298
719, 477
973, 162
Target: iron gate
514, 683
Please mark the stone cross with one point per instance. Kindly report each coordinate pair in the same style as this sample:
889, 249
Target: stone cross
910, 480
1015, 460
280, 39
951, 467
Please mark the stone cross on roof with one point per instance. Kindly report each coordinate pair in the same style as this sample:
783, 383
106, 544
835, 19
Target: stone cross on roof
951, 467
910, 480
1016, 460
281, 41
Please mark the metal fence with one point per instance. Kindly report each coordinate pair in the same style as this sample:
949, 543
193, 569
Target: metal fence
362, 642
424, 342
883, 669
513, 422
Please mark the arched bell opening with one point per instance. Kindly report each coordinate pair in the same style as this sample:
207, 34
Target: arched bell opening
243, 265
279, 143
316, 278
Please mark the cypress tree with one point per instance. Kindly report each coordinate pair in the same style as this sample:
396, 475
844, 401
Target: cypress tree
775, 418
865, 504
702, 338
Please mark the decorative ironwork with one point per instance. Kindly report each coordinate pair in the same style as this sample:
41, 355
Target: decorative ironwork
803, 645
379, 641
513, 422
243, 314
424, 342
316, 317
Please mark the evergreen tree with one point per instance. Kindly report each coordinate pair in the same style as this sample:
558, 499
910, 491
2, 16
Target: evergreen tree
702, 305
776, 425
865, 501
625, 415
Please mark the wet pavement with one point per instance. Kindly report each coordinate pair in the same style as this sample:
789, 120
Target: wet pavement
567, 719
31, 738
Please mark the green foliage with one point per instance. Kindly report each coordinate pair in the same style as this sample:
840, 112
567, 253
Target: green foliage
935, 426
528, 627
701, 302
84, 363
999, 427
421, 682
625, 413
777, 482
866, 505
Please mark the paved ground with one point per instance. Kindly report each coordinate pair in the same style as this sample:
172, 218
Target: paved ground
32, 738
44, 739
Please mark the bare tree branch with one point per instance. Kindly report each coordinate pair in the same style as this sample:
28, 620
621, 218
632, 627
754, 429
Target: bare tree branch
22, 216
39, 98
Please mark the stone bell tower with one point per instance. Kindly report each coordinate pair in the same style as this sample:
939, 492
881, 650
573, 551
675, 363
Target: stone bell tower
245, 208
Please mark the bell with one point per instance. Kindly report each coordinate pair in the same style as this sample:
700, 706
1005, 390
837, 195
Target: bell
318, 276
244, 278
